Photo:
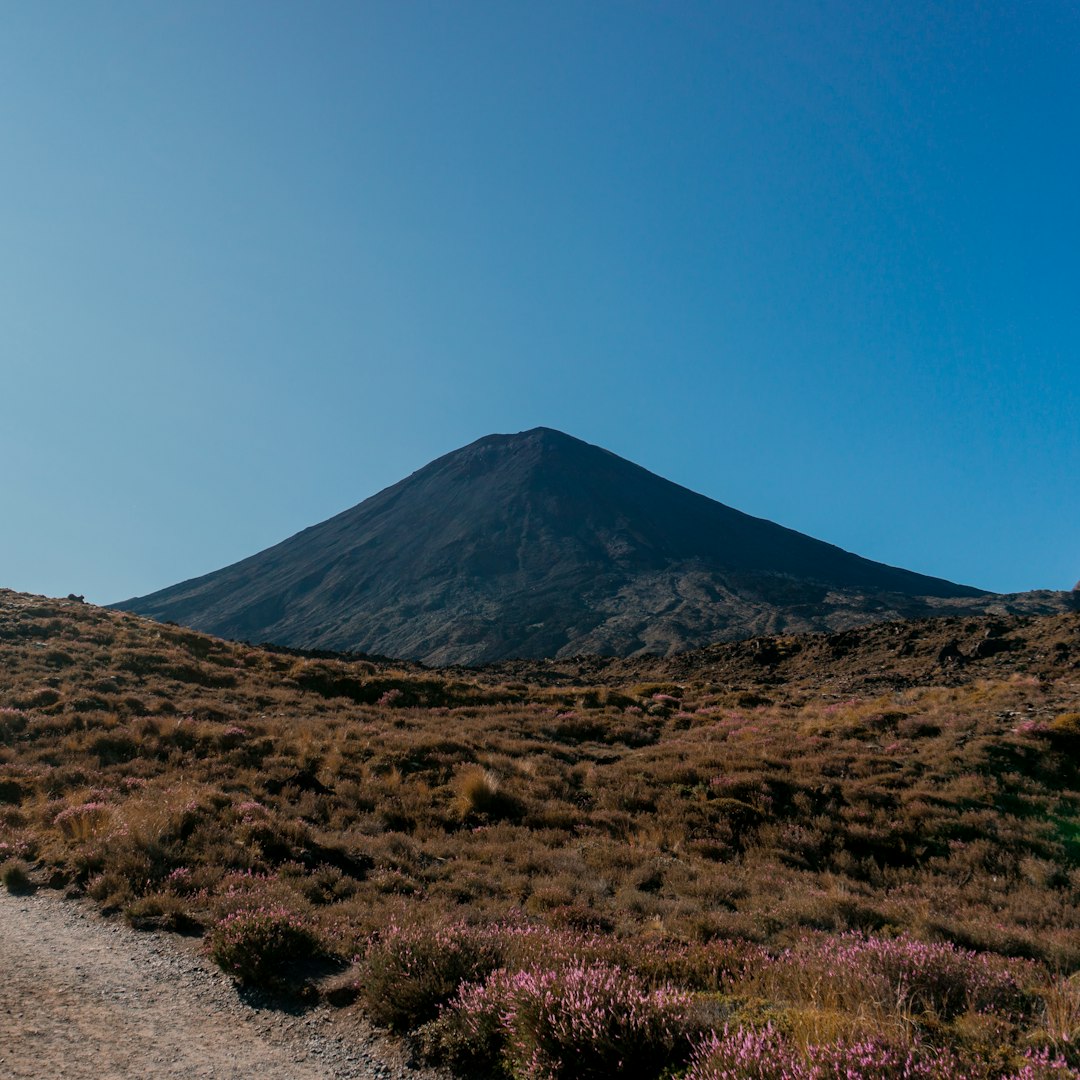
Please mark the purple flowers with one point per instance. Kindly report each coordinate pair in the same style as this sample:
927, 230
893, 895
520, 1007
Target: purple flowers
82, 821
585, 1020
898, 975
254, 945
765, 1054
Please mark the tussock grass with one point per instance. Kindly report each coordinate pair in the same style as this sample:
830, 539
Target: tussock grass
815, 861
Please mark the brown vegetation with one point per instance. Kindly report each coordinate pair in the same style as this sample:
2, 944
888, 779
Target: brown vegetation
667, 812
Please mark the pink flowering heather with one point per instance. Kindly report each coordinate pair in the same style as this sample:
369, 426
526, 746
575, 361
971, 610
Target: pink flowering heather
252, 811
898, 974
81, 821
765, 1054
179, 880
1044, 1065
582, 1021
14, 849
744, 1054
256, 945
231, 736
12, 720
1032, 727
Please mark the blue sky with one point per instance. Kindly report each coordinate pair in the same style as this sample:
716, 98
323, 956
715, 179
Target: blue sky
260, 260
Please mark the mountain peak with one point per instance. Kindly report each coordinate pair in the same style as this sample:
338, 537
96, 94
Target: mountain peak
540, 544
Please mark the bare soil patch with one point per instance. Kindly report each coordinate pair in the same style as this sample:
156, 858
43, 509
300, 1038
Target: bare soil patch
88, 999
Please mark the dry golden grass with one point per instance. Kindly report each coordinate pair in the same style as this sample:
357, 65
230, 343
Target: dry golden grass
178, 778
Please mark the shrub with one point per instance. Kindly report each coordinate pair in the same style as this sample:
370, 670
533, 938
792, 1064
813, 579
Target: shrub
765, 1054
1043, 1065
15, 877
468, 1035
582, 1021
409, 972
743, 1054
1066, 724
257, 946
82, 821
479, 795
901, 975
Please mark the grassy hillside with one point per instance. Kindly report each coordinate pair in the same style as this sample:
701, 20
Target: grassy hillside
845, 856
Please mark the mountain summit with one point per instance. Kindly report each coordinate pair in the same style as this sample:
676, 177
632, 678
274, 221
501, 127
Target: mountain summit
539, 544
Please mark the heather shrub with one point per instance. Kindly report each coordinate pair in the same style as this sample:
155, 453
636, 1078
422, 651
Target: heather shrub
900, 975
258, 946
408, 972
468, 1035
582, 1021
743, 1054
765, 1054
1043, 1065
81, 822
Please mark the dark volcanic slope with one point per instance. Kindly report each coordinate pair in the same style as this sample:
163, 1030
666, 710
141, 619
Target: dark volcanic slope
538, 544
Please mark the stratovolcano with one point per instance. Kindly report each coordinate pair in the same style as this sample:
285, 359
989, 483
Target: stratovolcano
541, 545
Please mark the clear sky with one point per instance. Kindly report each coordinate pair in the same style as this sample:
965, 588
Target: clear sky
816, 260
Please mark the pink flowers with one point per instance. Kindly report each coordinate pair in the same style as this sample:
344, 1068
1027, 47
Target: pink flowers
82, 821
585, 1020
252, 811
14, 849
765, 1054
255, 944
900, 973
1032, 727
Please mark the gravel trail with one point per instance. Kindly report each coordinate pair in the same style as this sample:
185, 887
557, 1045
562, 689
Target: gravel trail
87, 999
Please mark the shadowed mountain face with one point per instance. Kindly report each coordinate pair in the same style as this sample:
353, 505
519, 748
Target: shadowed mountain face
538, 544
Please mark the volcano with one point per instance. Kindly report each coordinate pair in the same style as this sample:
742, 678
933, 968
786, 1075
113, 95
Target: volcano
541, 545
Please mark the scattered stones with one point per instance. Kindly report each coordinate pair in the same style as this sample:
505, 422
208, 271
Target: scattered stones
89, 999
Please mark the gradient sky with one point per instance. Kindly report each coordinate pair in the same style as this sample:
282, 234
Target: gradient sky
259, 260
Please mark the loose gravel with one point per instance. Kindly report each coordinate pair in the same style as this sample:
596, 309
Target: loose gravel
85, 998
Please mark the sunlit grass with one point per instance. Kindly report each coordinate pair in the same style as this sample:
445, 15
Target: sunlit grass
814, 866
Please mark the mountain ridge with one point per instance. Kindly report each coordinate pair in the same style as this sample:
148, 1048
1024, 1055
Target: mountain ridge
539, 544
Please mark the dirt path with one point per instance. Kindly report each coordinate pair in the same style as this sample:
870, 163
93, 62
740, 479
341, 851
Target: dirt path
86, 999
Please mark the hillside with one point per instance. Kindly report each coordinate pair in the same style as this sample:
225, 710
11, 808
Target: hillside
853, 848
538, 545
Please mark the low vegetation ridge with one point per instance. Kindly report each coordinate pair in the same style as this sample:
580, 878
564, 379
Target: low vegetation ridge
852, 855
